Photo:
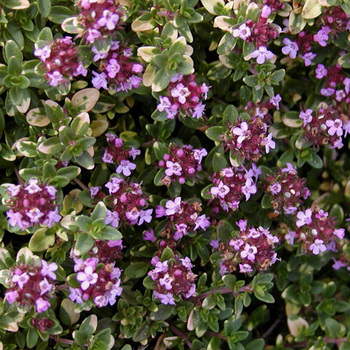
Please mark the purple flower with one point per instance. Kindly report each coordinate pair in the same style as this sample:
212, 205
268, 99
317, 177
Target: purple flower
236, 243
221, 190
275, 188
327, 92
99, 80
45, 286
249, 188
165, 298
181, 230
275, 100
114, 185
243, 32
308, 57
133, 152
41, 305
335, 127
112, 218
125, 167
75, 294
306, 116
242, 132
173, 207
21, 279
318, 247
149, 236
265, 11
291, 48
55, 78
290, 168
340, 233
133, 216
88, 277
42, 53
269, 143
145, 216
338, 264
198, 110
242, 224
113, 68
11, 296
109, 20
48, 269
262, 55
173, 168
321, 71
180, 92
245, 268
249, 252
322, 35
202, 222
304, 218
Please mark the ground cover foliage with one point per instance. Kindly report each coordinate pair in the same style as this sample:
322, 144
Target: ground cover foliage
174, 174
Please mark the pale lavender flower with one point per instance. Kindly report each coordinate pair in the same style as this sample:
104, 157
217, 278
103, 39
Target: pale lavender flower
262, 55
243, 32
321, 71
322, 35
291, 48
275, 188
335, 127
125, 167
149, 236
145, 216
308, 57
242, 132
48, 269
180, 92
21, 279
173, 207
269, 143
99, 80
318, 247
305, 218
41, 305
249, 252
173, 168
221, 190
306, 116
56, 78
87, 278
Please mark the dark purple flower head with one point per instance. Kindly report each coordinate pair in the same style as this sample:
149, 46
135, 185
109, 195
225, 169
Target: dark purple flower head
32, 204
31, 283
60, 61
173, 279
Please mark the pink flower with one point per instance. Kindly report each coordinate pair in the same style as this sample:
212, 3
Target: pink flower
173, 207
335, 127
249, 252
125, 167
269, 143
88, 277
306, 116
321, 71
41, 305
242, 132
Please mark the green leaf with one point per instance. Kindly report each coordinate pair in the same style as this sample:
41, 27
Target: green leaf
160, 149
167, 254
219, 162
51, 146
42, 240
110, 233
99, 211
163, 313
59, 13
136, 270
161, 80
27, 148
32, 337
316, 161
142, 333
44, 7
89, 325
84, 243
215, 132
256, 344
11, 50
67, 314
70, 172
85, 160
46, 34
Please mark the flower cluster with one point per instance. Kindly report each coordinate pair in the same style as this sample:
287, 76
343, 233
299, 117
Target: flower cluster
126, 201
98, 282
60, 61
116, 153
173, 279
326, 127
118, 71
336, 83
42, 324
33, 204
183, 217
333, 21
31, 283
184, 97
99, 19
247, 139
286, 189
316, 231
252, 250
260, 33
181, 163
231, 184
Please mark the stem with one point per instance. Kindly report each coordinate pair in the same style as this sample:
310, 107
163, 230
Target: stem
17, 174
81, 184
182, 335
217, 335
148, 143
62, 286
270, 330
62, 340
